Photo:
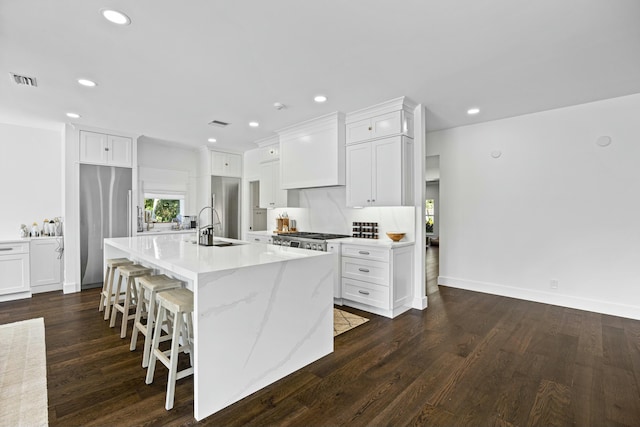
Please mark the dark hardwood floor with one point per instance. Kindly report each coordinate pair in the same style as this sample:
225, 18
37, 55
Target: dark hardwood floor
469, 359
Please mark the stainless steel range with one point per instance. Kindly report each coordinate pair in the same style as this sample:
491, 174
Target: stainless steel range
306, 240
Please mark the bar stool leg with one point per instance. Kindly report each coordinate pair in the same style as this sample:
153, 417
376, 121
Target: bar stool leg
156, 342
109, 303
151, 325
112, 323
104, 288
127, 302
136, 319
173, 370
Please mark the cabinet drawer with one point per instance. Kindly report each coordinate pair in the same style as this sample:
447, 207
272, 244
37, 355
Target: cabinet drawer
370, 271
366, 252
365, 293
14, 248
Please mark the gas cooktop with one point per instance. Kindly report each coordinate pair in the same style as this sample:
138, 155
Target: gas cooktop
314, 236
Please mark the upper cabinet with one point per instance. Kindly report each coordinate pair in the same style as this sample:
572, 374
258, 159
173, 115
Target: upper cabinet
379, 155
312, 153
226, 164
380, 173
104, 149
271, 193
394, 117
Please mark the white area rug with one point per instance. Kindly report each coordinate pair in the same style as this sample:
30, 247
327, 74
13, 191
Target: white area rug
23, 374
344, 321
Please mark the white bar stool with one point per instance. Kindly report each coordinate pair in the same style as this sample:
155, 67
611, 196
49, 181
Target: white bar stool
107, 286
178, 302
130, 273
148, 288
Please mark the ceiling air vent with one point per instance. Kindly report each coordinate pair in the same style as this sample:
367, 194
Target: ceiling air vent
24, 80
219, 123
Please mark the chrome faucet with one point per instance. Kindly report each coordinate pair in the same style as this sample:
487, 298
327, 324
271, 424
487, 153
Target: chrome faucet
209, 242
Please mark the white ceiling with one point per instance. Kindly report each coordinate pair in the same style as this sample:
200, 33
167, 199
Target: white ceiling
180, 65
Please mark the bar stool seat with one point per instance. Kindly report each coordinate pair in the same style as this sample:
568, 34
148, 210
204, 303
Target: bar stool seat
148, 288
179, 303
106, 296
130, 273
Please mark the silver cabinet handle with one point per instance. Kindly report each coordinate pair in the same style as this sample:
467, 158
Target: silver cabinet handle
363, 292
364, 270
257, 240
6, 249
363, 253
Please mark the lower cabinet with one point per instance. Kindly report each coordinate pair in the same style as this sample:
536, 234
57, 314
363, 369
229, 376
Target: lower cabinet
46, 265
258, 238
377, 279
14, 271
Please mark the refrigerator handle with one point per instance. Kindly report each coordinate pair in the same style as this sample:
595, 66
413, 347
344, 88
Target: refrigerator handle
129, 213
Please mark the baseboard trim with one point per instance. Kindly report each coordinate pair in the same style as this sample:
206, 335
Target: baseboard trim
419, 303
69, 288
587, 304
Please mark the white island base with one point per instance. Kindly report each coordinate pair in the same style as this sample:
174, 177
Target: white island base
261, 311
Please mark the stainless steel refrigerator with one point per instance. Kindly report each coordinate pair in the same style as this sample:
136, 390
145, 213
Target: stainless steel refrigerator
226, 201
105, 211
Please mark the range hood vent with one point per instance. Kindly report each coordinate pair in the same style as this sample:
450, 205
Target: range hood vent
219, 123
24, 80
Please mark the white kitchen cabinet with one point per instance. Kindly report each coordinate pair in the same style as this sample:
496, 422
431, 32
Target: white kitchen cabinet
377, 280
336, 248
395, 123
46, 264
312, 153
226, 164
14, 270
380, 173
394, 117
271, 193
259, 238
103, 149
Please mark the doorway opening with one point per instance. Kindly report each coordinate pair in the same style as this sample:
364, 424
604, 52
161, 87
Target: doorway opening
258, 218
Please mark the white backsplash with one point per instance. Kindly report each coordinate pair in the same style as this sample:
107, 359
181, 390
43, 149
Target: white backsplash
324, 210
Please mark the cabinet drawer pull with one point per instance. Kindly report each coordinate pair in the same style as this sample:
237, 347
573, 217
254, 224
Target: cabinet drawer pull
363, 253
363, 292
364, 270
6, 249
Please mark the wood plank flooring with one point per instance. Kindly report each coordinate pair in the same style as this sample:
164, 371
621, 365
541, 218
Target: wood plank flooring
469, 359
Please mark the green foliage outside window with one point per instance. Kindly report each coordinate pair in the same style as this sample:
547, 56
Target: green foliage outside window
430, 214
163, 210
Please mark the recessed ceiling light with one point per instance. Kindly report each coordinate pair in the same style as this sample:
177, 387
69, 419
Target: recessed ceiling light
87, 82
320, 98
115, 16
254, 124
211, 140
73, 115
472, 111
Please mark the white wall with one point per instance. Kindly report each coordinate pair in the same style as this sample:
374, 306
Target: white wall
554, 205
31, 177
167, 167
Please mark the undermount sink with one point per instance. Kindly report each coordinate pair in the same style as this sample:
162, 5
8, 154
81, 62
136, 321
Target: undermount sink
220, 243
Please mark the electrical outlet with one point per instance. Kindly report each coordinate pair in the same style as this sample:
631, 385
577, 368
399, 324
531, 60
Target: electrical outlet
553, 284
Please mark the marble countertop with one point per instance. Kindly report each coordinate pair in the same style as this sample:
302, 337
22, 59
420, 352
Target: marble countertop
158, 231
382, 242
26, 239
178, 253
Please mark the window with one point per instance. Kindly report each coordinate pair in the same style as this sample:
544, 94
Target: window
430, 214
164, 207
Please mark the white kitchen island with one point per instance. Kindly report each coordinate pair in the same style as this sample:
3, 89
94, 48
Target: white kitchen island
261, 311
